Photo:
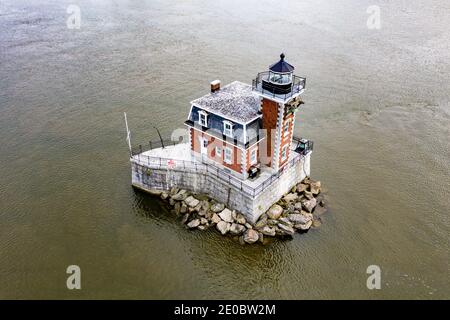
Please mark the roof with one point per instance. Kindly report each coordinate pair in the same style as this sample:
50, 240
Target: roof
235, 101
281, 66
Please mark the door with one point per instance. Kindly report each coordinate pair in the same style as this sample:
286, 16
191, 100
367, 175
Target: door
203, 145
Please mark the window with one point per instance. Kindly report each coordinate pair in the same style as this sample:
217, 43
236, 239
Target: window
203, 118
253, 156
228, 128
286, 128
284, 152
219, 151
228, 155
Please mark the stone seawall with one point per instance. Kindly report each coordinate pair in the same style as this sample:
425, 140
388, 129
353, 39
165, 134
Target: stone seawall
252, 207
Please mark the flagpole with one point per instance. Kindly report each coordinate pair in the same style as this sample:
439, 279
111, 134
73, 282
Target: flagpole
128, 132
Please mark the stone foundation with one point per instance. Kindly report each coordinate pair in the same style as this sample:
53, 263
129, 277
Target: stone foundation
252, 207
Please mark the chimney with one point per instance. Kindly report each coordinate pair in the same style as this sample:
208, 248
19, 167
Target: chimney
215, 85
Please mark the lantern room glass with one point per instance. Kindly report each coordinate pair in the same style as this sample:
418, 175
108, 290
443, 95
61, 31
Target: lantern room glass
280, 78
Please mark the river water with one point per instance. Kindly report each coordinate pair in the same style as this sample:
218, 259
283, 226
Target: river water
376, 106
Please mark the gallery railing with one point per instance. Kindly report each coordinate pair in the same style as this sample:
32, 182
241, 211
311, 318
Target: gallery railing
262, 84
208, 167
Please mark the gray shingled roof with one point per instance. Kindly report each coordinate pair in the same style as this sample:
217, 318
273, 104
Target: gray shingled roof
235, 101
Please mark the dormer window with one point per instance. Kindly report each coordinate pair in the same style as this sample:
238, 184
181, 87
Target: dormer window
228, 128
203, 118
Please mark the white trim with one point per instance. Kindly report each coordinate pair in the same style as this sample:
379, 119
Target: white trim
276, 154
224, 116
255, 152
225, 149
286, 133
225, 132
218, 151
200, 114
276, 99
227, 142
285, 147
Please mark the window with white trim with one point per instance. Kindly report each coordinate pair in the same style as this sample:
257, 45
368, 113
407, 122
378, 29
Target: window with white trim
218, 151
286, 128
203, 118
228, 128
284, 152
228, 155
253, 156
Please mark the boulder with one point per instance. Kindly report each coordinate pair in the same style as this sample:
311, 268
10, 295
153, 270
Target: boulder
171, 202
202, 227
215, 218
181, 195
309, 205
203, 221
185, 218
316, 223
183, 208
251, 236
240, 219
217, 207
260, 237
233, 214
299, 218
204, 205
191, 202
194, 223
290, 197
301, 187
248, 225
223, 227
275, 211
261, 222
298, 206
177, 208
315, 187
285, 221
305, 226
268, 231
236, 229
202, 213
286, 229
308, 195
173, 191
226, 215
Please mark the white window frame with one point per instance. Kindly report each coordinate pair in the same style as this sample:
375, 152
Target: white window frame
228, 131
219, 151
254, 156
284, 150
286, 128
228, 155
204, 114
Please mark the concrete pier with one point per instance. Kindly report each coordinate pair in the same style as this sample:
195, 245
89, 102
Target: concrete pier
175, 166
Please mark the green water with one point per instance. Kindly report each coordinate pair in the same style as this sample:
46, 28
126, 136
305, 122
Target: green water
377, 107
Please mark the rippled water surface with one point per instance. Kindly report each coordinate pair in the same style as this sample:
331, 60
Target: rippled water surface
376, 106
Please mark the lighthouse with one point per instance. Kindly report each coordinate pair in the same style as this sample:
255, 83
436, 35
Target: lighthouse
279, 90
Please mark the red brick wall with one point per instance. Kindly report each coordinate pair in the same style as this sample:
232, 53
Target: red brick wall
270, 114
286, 138
211, 150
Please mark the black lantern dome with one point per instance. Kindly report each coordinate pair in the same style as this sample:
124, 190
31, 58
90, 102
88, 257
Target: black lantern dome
279, 80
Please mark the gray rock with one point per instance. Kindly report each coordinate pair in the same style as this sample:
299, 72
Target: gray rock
301, 187
251, 236
183, 208
203, 221
309, 205
290, 197
181, 195
308, 195
173, 191
215, 218
194, 223
305, 226
261, 222
240, 219
315, 187
237, 229
204, 205
177, 208
226, 215
185, 218
233, 214
286, 229
191, 202
299, 218
202, 213
202, 227
223, 227
217, 207
268, 231
172, 202
285, 221
298, 206
275, 211
260, 237
248, 225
